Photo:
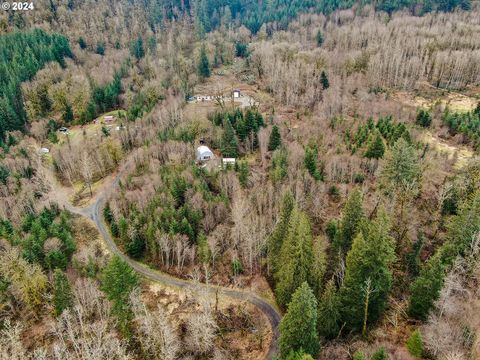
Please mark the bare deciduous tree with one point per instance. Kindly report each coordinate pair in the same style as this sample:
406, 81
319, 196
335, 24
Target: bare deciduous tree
157, 336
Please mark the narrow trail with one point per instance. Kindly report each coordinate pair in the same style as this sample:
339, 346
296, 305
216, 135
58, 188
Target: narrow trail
94, 213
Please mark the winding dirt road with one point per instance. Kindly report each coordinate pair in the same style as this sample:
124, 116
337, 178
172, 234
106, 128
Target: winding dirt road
94, 212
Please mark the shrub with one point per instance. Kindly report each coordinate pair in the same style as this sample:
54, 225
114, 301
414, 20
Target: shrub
424, 118
237, 267
414, 344
359, 356
380, 355
334, 192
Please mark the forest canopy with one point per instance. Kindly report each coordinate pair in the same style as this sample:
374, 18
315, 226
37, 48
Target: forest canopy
253, 14
22, 54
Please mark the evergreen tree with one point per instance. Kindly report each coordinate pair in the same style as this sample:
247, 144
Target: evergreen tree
311, 154
319, 38
203, 249
402, 171
368, 277
413, 257
203, 64
376, 149
229, 142
296, 257
243, 173
137, 49
462, 229
136, 246
329, 312
279, 233
352, 217
152, 44
114, 229
279, 169
118, 281
33, 244
56, 259
100, 50
241, 49
414, 344
107, 213
424, 118
251, 125
68, 114
324, 80
380, 355
123, 230
4, 174
332, 230
275, 139
44, 99
178, 190
82, 43
425, 290
62, 292
298, 328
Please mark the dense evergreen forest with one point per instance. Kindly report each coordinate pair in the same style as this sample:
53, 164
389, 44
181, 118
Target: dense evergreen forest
253, 14
210, 14
467, 124
22, 54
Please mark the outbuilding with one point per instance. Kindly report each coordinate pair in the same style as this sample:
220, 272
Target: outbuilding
108, 119
236, 94
204, 153
228, 161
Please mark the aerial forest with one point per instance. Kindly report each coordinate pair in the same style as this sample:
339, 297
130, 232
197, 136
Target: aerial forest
220, 179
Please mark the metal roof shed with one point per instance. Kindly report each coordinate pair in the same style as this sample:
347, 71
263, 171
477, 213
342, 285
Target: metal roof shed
204, 153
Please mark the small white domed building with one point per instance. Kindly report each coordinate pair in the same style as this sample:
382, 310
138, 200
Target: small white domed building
204, 153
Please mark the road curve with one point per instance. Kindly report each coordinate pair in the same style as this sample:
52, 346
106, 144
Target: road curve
94, 212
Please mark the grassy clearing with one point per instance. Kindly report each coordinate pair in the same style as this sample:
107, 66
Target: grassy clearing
453, 100
78, 132
462, 154
81, 196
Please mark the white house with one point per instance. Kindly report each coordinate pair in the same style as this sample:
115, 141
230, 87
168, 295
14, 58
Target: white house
204, 153
236, 94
